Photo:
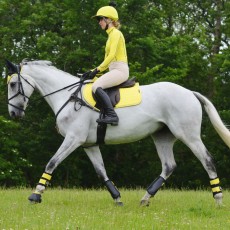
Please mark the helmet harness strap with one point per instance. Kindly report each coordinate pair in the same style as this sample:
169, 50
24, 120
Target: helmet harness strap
107, 23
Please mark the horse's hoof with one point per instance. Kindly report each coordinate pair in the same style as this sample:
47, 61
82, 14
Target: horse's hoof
218, 198
119, 203
219, 203
144, 203
35, 198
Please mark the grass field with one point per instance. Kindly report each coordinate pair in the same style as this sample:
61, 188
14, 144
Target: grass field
94, 209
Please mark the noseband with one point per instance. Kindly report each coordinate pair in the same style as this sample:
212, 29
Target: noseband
20, 90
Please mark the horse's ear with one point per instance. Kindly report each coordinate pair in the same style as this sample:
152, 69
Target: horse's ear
12, 68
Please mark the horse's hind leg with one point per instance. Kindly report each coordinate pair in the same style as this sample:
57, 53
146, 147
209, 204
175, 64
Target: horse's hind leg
95, 157
164, 141
187, 129
205, 158
190, 136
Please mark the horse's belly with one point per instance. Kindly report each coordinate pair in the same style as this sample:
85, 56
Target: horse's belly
127, 137
132, 128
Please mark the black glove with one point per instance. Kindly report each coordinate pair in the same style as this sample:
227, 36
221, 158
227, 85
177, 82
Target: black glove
85, 75
90, 74
93, 73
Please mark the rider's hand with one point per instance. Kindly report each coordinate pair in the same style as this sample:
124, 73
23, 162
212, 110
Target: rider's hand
85, 75
90, 74
93, 73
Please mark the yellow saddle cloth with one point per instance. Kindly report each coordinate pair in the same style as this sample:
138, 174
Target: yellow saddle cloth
128, 96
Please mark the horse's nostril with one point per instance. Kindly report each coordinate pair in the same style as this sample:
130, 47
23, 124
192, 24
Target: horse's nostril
13, 114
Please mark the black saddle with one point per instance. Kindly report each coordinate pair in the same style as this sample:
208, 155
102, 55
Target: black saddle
114, 93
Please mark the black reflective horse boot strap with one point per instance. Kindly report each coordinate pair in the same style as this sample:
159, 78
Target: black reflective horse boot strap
112, 189
215, 185
45, 179
156, 185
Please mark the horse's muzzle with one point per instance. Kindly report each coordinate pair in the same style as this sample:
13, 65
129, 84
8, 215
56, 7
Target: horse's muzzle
16, 113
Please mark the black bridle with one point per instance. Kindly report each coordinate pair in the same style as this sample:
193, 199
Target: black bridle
74, 97
20, 90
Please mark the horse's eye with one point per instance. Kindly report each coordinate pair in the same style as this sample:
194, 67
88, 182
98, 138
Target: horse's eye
12, 84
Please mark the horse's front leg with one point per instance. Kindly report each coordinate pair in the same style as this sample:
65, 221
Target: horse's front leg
69, 144
95, 157
164, 141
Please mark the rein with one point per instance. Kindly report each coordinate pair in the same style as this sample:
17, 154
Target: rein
74, 97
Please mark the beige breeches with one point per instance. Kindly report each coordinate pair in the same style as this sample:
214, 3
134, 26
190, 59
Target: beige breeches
118, 73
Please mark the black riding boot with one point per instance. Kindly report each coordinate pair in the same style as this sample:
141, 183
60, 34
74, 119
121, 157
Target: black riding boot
110, 117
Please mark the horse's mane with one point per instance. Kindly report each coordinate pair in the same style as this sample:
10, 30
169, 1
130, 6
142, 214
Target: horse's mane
37, 62
43, 63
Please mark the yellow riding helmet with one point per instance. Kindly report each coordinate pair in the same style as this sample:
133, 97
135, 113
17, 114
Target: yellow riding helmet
108, 12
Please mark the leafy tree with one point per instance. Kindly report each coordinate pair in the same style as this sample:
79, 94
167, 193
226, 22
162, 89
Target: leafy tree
185, 42
12, 161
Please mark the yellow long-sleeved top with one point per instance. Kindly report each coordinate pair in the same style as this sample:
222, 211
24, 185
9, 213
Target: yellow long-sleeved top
115, 49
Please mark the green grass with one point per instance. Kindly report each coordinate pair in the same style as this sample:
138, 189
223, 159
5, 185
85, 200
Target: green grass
94, 209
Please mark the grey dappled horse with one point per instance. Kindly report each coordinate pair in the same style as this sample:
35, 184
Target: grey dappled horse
167, 112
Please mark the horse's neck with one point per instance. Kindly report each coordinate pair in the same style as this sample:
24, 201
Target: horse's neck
50, 80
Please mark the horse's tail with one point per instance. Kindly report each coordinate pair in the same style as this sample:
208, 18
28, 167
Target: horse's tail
215, 119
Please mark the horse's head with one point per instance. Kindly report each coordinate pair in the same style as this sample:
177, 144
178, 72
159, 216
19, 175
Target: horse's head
20, 88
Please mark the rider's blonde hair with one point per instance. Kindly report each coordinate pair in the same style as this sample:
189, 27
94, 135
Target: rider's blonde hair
117, 24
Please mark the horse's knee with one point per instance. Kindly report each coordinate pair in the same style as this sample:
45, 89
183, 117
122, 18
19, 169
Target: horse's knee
168, 170
210, 163
51, 166
101, 174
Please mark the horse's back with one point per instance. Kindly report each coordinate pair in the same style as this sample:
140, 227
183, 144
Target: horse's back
165, 89
169, 95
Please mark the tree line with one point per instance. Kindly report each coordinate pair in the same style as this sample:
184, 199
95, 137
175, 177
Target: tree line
185, 42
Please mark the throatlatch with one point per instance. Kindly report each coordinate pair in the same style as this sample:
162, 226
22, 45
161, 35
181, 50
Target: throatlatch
112, 189
215, 185
155, 186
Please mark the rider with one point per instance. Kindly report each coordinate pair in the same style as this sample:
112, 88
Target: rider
115, 59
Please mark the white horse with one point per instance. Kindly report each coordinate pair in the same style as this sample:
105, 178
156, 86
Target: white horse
167, 112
